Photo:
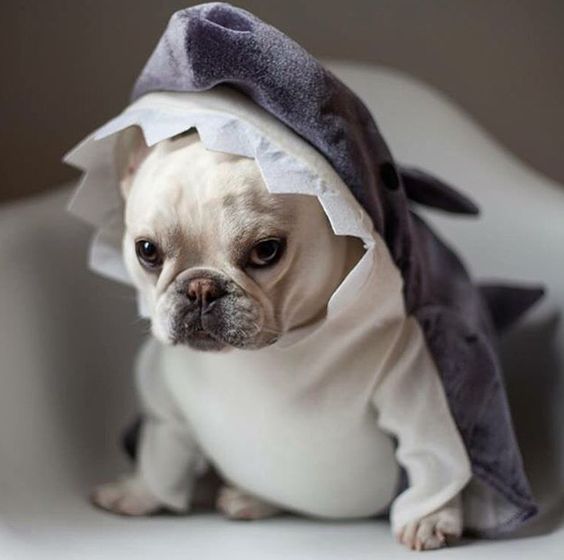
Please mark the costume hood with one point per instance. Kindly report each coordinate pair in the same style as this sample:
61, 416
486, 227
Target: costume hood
226, 121
250, 90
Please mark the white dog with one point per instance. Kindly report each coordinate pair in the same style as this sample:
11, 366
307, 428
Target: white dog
264, 367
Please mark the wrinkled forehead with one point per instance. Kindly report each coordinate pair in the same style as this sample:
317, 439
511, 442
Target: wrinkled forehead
184, 186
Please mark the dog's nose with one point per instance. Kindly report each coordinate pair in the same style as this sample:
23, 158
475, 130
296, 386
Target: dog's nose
203, 291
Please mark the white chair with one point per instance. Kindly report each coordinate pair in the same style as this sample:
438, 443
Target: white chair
67, 339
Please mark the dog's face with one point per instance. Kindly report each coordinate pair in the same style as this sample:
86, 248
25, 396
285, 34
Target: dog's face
221, 261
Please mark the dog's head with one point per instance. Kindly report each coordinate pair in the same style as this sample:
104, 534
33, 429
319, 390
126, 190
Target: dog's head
220, 261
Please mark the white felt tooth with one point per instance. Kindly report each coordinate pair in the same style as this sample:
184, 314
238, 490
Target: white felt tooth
283, 173
96, 197
162, 125
84, 154
129, 117
105, 250
224, 133
344, 219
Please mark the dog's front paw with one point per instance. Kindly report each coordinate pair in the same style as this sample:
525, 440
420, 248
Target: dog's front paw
438, 529
125, 497
237, 504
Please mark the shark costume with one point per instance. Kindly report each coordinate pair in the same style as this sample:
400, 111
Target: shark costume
406, 333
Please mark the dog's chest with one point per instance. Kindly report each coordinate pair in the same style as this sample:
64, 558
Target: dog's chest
297, 428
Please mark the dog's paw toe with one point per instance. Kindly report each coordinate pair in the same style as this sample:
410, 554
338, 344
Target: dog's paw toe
236, 504
436, 530
125, 497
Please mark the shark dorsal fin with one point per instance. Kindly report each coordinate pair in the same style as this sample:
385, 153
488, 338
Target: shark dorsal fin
427, 190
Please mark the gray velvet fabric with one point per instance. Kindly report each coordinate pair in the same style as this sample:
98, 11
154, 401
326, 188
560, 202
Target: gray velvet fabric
217, 43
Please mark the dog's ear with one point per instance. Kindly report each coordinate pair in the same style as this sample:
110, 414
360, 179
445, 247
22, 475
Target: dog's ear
130, 151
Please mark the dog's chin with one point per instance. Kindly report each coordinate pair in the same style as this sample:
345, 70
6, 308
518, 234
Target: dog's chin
204, 341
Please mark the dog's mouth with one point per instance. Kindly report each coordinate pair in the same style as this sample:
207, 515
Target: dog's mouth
201, 339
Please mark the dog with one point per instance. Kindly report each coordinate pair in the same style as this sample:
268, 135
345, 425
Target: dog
254, 370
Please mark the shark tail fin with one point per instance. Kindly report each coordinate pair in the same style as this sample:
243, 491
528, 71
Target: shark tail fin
508, 303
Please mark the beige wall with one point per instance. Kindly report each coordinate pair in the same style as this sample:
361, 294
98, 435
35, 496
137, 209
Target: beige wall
67, 65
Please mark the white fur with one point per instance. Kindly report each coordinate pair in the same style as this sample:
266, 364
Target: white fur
181, 194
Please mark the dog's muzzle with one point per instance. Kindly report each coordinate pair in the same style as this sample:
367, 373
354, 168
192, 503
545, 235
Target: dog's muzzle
210, 311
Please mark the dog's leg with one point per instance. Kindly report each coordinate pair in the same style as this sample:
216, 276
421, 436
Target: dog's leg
166, 468
412, 406
168, 459
237, 504
435, 530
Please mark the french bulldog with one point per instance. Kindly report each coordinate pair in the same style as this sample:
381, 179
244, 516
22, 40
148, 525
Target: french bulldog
245, 372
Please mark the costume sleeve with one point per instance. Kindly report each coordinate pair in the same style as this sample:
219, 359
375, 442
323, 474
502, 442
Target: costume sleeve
412, 407
169, 457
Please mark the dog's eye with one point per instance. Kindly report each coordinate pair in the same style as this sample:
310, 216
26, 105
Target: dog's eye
266, 252
148, 254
